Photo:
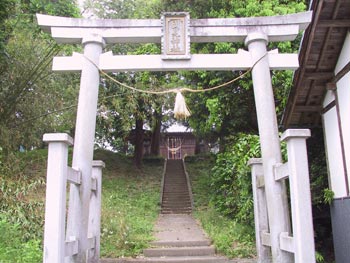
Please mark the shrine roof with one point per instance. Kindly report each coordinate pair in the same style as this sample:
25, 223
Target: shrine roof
320, 48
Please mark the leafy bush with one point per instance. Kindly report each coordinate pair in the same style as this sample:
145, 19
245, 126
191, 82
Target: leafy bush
231, 182
22, 186
21, 207
13, 248
230, 238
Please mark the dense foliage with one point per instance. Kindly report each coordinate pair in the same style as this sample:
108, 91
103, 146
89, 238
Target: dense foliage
22, 187
29, 91
31, 97
12, 247
230, 237
129, 206
231, 180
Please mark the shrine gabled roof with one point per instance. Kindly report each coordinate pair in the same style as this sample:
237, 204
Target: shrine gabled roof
318, 55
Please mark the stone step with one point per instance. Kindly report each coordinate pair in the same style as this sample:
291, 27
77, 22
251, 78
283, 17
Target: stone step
177, 202
187, 205
181, 197
176, 196
176, 199
176, 212
176, 193
170, 210
176, 190
179, 251
179, 194
178, 243
174, 209
202, 259
177, 182
176, 185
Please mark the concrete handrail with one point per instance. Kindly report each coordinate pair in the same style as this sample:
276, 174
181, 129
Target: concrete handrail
188, 183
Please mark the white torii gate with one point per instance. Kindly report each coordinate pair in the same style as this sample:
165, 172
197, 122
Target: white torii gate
175, 31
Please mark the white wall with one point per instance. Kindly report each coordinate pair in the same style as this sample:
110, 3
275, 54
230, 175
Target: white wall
343, 87
331, 127
334, 154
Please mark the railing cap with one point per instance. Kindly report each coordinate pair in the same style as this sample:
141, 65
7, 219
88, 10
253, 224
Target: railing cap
98, 163
254, 161
295, 133
58, 137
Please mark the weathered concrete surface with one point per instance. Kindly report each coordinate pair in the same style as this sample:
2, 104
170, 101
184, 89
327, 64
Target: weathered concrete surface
72, 30
179, 233
178, 227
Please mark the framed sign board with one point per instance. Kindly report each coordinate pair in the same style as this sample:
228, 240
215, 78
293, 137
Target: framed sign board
176, 36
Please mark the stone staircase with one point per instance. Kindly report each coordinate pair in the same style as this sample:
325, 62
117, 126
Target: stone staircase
179, 238
176, 197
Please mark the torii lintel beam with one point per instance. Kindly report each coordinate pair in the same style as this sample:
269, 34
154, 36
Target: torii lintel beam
73, 30
225, 62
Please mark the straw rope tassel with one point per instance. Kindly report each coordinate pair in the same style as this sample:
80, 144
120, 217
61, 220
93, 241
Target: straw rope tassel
181, 110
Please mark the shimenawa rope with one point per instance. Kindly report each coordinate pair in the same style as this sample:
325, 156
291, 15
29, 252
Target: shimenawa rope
181, 110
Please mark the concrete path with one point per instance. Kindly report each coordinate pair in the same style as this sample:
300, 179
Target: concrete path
179, 238
178, 228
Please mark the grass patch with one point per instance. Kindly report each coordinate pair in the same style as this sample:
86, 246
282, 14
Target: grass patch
230, 238
14, 249
130, 205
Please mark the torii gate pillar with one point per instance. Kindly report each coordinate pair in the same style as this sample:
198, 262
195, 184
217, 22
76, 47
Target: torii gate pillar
270, 145
84, 145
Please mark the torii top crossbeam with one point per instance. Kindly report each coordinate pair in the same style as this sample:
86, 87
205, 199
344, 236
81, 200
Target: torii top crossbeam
72, 30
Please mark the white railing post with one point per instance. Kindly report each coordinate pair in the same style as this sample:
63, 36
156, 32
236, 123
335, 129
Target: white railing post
260, 210
95, 211
303, 233
55, 206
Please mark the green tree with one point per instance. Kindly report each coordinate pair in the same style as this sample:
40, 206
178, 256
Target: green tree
130, 111
222, 113
29, 90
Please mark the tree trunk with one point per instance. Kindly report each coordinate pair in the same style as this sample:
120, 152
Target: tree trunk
155, 142
197, 147
138, 152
